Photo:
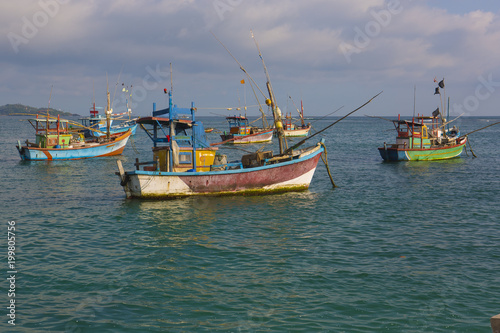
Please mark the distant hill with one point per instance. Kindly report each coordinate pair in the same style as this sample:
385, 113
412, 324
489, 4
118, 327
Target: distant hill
8, 109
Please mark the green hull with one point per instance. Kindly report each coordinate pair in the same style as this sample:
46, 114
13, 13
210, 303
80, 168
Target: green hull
426, 154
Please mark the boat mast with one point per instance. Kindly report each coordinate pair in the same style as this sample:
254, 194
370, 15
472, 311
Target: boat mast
172, 125
301, 112
47, 123
252, 82
108, 110
271, 101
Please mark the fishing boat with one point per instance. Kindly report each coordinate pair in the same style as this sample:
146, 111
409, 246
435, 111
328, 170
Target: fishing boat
240, 132
95, 124
293, 130
424, 138
209, 130
55, 141
184, 163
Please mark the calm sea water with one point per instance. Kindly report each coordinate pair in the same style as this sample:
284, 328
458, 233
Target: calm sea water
396, 247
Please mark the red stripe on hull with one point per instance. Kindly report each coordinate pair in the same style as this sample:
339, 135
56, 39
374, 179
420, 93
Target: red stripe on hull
249, 180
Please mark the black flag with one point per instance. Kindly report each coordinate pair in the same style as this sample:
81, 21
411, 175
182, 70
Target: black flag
437, 91
435, 113
441, 84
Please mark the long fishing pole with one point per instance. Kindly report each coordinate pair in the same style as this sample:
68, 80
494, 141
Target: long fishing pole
315, 120
446, 123
241, 66
479, 129
327, 127
55, 118
252, 82
380, 118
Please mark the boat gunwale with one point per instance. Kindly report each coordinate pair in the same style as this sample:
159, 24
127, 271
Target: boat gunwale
311, 153
424, 149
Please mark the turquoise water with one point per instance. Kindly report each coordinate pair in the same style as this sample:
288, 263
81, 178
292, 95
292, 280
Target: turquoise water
396, 247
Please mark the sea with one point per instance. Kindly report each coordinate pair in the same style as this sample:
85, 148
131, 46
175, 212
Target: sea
394, 247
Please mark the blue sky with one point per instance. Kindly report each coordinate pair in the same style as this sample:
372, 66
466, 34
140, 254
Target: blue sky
327, 53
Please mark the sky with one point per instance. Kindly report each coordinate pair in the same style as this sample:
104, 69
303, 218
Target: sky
327, 54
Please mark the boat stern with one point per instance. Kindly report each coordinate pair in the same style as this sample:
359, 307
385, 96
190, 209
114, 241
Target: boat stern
392, 154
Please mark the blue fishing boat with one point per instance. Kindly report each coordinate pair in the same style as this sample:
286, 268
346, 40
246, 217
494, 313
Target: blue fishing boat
96, 126
55, 141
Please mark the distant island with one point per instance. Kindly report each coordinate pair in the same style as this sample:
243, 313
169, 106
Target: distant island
13, 109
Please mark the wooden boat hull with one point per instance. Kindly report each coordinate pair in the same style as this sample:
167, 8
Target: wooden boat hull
259, 137
292, 175
299, 132
114, 147
425, 154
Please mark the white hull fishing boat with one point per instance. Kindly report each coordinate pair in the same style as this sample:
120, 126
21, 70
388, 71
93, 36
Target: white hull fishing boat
184, 164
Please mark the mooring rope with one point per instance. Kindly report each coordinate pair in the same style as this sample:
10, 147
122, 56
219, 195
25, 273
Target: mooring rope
132, 142
325, 160
470, 147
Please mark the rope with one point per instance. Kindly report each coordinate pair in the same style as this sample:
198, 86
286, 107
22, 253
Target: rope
470, 147
147, 183
132, 142
325, 160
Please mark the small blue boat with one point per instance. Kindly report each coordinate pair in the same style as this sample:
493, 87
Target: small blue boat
96, 126
55, 141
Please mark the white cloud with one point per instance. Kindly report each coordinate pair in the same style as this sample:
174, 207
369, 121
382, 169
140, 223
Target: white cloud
299, 41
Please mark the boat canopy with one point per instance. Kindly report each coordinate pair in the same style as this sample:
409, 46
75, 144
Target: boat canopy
175, 127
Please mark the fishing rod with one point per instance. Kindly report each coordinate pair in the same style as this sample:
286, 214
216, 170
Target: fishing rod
55, 118
380, 118
315, 120
241, 66
228, 108
448, 122
252, 82
479, 129
327, 127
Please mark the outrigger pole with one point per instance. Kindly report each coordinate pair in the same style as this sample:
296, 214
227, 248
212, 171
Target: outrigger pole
479, 129
327, 127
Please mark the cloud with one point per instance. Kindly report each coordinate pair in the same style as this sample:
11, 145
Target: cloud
77, 43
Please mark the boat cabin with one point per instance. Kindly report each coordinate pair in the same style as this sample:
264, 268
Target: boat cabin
239, 125
179, 141
420, 132
50, 133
